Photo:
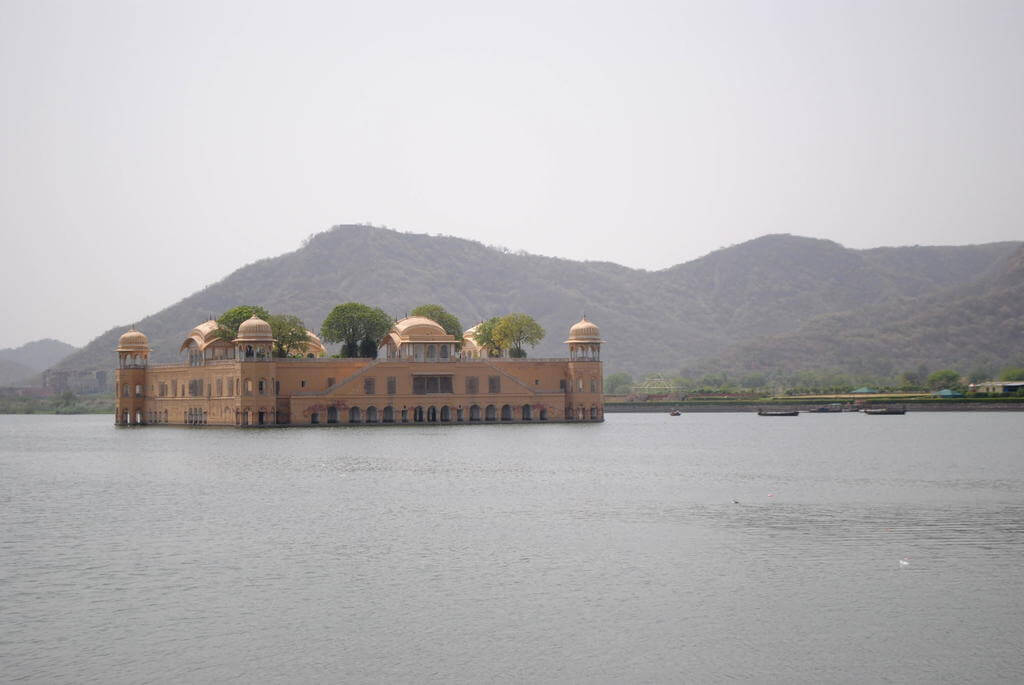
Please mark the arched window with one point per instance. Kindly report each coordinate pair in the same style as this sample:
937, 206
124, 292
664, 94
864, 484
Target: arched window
506, 413
474, 412
527, 412
446, 414
417, 415
432, 414
491, 413
443, 349
371, 415
388, 414
431, 352
332, 415
355, 415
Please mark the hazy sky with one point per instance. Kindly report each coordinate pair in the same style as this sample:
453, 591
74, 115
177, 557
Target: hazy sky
150, 148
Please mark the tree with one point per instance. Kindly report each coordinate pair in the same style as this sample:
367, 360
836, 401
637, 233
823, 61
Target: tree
436, 312
981, 373
618, 383
515, 330
358, 326
290, 334
1012, 374
943, 379
229, 321
755, 380
486, 337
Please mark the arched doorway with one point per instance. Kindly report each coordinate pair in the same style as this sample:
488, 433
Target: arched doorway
527, 413
446, 414
474, 412
593, 413
432, 414
543, 414
332, 415
371, 415
354, 415
491, 413
506, 412
388, 414
417, 415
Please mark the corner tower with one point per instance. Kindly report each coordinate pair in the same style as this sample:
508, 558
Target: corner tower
130, 383
257, 373
584, 397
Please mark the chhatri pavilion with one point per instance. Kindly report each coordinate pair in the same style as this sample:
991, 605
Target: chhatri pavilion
421, 374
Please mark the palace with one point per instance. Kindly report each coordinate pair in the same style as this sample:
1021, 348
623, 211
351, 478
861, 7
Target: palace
421, 375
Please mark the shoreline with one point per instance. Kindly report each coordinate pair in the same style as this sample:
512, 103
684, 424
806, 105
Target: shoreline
802, 406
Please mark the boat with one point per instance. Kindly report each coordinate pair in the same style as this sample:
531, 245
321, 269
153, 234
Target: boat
777, 412
832, 408
675, 412
886, 411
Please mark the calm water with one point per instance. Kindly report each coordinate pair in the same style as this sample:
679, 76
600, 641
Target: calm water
606, 552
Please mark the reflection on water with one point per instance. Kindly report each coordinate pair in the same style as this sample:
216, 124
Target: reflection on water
603, 552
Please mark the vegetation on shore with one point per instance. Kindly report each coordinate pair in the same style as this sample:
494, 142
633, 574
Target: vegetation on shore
919, 381
65, 403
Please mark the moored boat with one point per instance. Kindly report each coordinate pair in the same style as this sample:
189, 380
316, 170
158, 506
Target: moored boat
886, 411
777, 412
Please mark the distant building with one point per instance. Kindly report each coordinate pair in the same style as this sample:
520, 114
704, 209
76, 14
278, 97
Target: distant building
419, 376
999, 387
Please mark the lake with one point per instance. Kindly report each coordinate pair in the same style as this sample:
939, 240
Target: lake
543, 553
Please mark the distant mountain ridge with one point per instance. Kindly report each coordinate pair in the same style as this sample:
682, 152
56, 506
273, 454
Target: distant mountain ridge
19, 363
698, 315
977, 326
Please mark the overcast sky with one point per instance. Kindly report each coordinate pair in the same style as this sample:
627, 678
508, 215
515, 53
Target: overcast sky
150, 148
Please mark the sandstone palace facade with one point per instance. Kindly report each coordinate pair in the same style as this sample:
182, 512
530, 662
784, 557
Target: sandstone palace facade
421, 375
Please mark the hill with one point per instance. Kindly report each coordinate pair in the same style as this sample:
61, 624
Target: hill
975, 327
19, 363
662, 320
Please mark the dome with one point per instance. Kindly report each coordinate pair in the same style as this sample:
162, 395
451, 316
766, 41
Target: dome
314, 345
255, 329
133, 341
584, 331
420, 328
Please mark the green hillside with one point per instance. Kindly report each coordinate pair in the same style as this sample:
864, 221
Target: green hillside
973, 327
664, 320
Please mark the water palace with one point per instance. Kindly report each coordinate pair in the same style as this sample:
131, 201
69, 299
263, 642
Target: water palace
421, 375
